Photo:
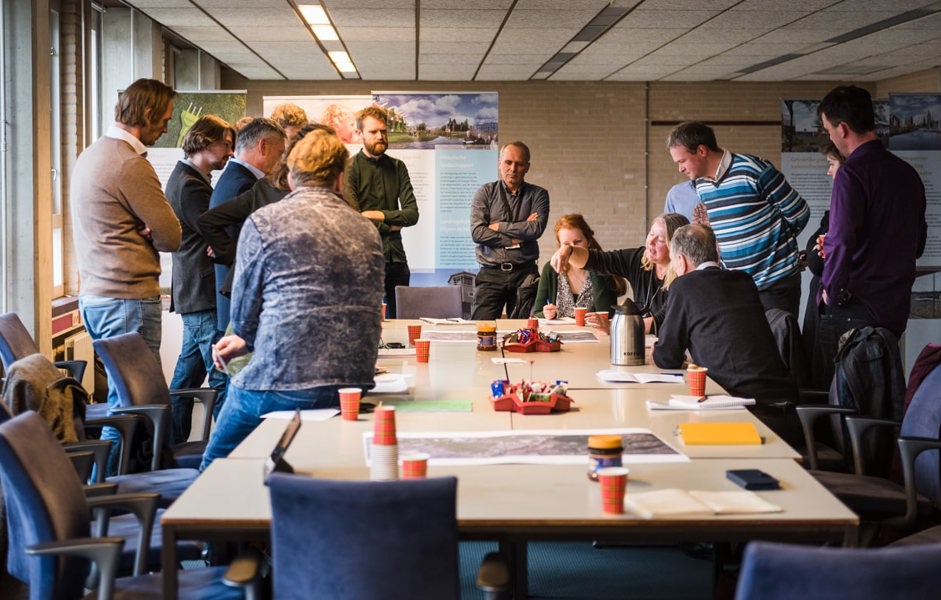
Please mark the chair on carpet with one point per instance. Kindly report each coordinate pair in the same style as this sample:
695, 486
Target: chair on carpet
49, 514
142, 389
435, 302
880, 502
772, 571
370, 539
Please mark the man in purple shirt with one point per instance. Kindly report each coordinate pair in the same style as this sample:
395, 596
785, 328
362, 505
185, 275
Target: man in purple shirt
877, 224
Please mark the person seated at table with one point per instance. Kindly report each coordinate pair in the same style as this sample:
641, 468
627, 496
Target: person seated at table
560, 293
647, 268
716, 316
304, 300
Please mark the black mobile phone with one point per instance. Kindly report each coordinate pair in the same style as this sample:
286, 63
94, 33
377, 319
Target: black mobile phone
394, 345
753, 479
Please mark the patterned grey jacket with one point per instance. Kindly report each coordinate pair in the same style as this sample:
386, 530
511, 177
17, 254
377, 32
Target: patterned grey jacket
307, 294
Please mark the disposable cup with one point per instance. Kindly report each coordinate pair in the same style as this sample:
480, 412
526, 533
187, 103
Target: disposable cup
415, 465
697, 380
580, 312
383, 311
384, 426
422, 350
384, 462
349, 403
414, 332
613, 482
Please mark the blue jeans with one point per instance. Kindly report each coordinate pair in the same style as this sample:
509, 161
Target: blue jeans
192, 366
109, 317
243, 409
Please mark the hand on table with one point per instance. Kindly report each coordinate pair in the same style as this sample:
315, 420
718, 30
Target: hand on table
550, 311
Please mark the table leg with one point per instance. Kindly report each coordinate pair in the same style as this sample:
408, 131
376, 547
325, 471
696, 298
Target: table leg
516, 554
169, 563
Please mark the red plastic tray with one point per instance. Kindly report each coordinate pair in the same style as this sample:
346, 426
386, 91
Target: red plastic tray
533, 346
556, 403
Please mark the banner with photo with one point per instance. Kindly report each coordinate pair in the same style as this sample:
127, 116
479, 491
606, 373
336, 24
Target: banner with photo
339, 112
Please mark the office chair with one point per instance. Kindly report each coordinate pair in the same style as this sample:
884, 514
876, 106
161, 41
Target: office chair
142, 389
772, 571
435, 302
394, 540
16, 343
52, 514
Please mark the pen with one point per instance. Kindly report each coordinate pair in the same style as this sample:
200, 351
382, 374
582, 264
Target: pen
701, 399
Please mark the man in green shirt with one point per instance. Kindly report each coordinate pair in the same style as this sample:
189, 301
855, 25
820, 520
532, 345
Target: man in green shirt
378, 186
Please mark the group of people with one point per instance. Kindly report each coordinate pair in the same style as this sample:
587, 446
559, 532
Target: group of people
284, 255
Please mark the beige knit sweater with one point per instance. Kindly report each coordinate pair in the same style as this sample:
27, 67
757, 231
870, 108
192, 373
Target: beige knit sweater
114, 193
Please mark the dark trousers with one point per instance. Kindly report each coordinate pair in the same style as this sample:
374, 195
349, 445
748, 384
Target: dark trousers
396, 274
495, 289
784, 294
834, 322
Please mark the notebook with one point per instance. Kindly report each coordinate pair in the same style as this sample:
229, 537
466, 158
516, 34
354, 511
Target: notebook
276, 462
674, 502
719, 433
710, 403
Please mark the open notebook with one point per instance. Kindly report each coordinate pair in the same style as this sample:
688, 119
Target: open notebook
275, 462
674, 502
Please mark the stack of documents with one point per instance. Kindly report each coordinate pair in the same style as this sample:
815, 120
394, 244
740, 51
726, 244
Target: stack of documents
681, 503
715, 402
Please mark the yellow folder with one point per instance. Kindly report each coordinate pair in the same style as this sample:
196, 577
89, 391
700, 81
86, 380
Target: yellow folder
717, 433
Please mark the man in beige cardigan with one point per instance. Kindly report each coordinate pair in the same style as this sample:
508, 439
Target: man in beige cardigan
121, 220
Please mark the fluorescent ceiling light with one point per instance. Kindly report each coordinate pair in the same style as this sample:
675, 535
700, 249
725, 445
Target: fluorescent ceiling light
325, 33
342, 61
314, 14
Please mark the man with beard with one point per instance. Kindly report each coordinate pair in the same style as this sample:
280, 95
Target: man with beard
207, 147
378, 186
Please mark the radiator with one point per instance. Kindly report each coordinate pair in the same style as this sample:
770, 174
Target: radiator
78, 347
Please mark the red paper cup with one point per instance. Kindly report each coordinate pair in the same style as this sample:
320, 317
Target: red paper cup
532, 323
415, 465
349, 403
422, 350
613, 482
414, 332
697, 381
383, 311
384, 426
580, 312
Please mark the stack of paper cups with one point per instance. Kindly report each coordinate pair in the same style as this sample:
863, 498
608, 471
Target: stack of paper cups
385, 445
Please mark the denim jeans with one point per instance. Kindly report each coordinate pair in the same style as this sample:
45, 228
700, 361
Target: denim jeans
243, 409
109, 317
192, 366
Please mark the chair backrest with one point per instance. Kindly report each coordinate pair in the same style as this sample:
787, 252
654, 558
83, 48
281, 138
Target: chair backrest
435, 302
15, 341
364, 539
45, 503
773, 571
923, 419
133, 370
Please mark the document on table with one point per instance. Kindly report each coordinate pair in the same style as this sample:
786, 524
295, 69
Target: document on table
396, 352
449, 321
716, 402
615, 376
675, 502
311, 415
390, 383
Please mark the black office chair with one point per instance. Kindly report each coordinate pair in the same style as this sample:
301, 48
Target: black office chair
142, 389
370, 539
52, 514
16, 343
434, 302
772, 571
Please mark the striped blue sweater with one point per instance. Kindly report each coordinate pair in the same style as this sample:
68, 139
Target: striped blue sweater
756, 216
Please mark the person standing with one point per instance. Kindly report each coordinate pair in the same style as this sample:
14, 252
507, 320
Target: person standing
508, 217
259, 145
304, 299
755, 213
877, 225
207, 147
121, 220
682, 199
378, 186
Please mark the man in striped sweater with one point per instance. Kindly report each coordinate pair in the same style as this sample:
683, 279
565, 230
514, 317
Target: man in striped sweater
755, 213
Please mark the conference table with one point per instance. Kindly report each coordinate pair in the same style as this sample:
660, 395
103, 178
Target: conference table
517, 503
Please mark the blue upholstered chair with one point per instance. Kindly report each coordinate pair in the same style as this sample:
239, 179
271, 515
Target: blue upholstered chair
16, 343
51, 545
434, 302
773, 571
369, 539
142, 389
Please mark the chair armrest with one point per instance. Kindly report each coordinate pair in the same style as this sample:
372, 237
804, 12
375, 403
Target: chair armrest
125, 425
76, 368
159, 417
104, 552
82, 461
100, 449
142, 506
857, 427
205, 395
909, 449
493, 576
808, 415
246, 572
100, 489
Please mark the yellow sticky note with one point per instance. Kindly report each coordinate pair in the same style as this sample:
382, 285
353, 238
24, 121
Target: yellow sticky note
717, 433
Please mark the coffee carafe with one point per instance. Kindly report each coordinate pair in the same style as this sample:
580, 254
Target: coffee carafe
627, 335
